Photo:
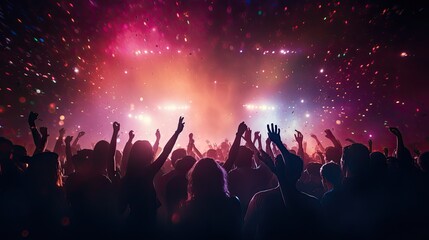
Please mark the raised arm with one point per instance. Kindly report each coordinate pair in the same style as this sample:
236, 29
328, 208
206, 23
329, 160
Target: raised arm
319, 144
386, 152
248, 138
156, 144
126, 153
299, 138
43, 140
233, 152
194, 149
60, 141
274, 135
67, 141
258, 137
276, 150
112, 151
157, 164
79, 135
400, 147
36, 135
268, 149
329, 135
189, 148
69, 163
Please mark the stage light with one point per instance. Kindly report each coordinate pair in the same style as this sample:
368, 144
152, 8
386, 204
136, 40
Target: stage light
173, 107
262, 107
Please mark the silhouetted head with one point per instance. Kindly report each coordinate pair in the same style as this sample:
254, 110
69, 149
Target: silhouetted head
405, 159
185, 164
331, 174
293, 167
244, 158
313, 169
224, 146
83, 161
212, 153
333, 154
207, 180
392, 163
19, 153
141, 156
424, 161
356, 160
378, 162
176, 155
101, 156
6, 147
44, 170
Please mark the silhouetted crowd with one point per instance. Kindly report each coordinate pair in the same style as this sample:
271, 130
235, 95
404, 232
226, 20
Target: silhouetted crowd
232, 191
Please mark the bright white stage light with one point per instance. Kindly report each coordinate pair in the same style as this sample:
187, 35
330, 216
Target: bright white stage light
262, 107
173, 107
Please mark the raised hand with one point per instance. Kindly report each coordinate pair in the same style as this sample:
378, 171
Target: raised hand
314, 136
32, 117
248, 135
257, 135
329, 134
80, 134
158, 134
191, 139
44, 131
298, 137
268, 141
180, 125
116, 127
62, 131
395, 131
68, 140
241, 129
274, 134
131, 135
